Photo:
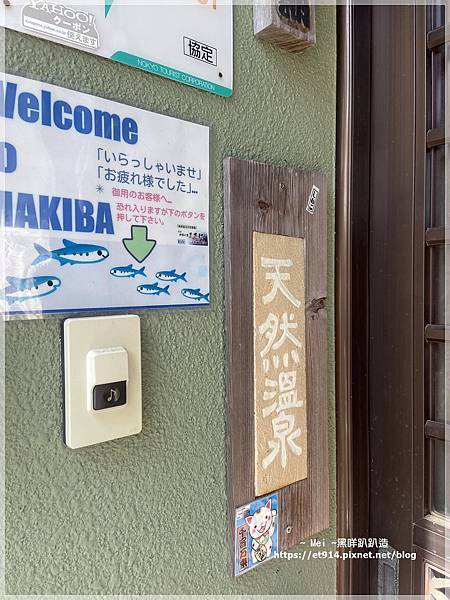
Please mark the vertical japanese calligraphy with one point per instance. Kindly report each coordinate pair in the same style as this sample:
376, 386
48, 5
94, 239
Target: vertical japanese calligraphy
279, 361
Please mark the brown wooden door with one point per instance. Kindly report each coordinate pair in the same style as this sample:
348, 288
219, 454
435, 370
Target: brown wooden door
391, 306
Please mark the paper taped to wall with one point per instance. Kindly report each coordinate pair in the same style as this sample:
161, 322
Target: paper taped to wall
105, 206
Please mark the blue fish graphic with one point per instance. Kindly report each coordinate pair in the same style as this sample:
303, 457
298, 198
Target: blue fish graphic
153, 289
19, 290
195, 294
171, 276
127, 271
72, 253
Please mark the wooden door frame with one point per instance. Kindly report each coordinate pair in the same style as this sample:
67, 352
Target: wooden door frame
355, 174
352, 173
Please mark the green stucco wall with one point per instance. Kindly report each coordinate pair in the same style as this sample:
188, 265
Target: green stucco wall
147, 514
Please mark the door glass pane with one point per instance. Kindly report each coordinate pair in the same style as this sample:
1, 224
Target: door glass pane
438, 57
441, 492
440, 274
440, 210
441, 382
437, 583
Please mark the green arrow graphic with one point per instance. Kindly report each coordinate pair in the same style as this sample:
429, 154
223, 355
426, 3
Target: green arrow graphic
138, 245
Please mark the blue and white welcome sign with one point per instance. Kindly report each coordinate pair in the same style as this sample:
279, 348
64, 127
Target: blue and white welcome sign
103, 206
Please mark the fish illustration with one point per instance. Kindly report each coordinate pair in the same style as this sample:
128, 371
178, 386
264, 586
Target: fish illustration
72, 253
153, 289
171, 276
127, 271
195, 294
19, 290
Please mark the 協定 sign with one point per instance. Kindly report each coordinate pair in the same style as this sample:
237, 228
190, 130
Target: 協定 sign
104, 206
191, 43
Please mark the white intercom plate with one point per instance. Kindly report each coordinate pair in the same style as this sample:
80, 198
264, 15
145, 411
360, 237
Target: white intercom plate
98, 350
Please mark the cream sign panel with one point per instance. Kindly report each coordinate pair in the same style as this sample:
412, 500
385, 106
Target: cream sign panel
191, 43
279, 361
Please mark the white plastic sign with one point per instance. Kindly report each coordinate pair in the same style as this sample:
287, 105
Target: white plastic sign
190, 43
104, 206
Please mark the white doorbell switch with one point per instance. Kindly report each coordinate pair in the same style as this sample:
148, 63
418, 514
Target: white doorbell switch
102, 379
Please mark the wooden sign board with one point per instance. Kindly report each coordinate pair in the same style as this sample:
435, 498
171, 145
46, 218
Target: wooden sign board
289, 24
263, 199
279, 361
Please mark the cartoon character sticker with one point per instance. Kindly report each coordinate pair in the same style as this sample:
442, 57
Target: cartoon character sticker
256, 533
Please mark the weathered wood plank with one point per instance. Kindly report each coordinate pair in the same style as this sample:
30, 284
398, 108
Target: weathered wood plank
268, 199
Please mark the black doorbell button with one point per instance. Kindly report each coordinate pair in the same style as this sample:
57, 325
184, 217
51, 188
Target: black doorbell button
108, 395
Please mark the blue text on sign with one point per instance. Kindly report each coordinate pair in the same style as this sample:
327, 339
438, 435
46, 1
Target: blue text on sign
55, 213
31, 109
